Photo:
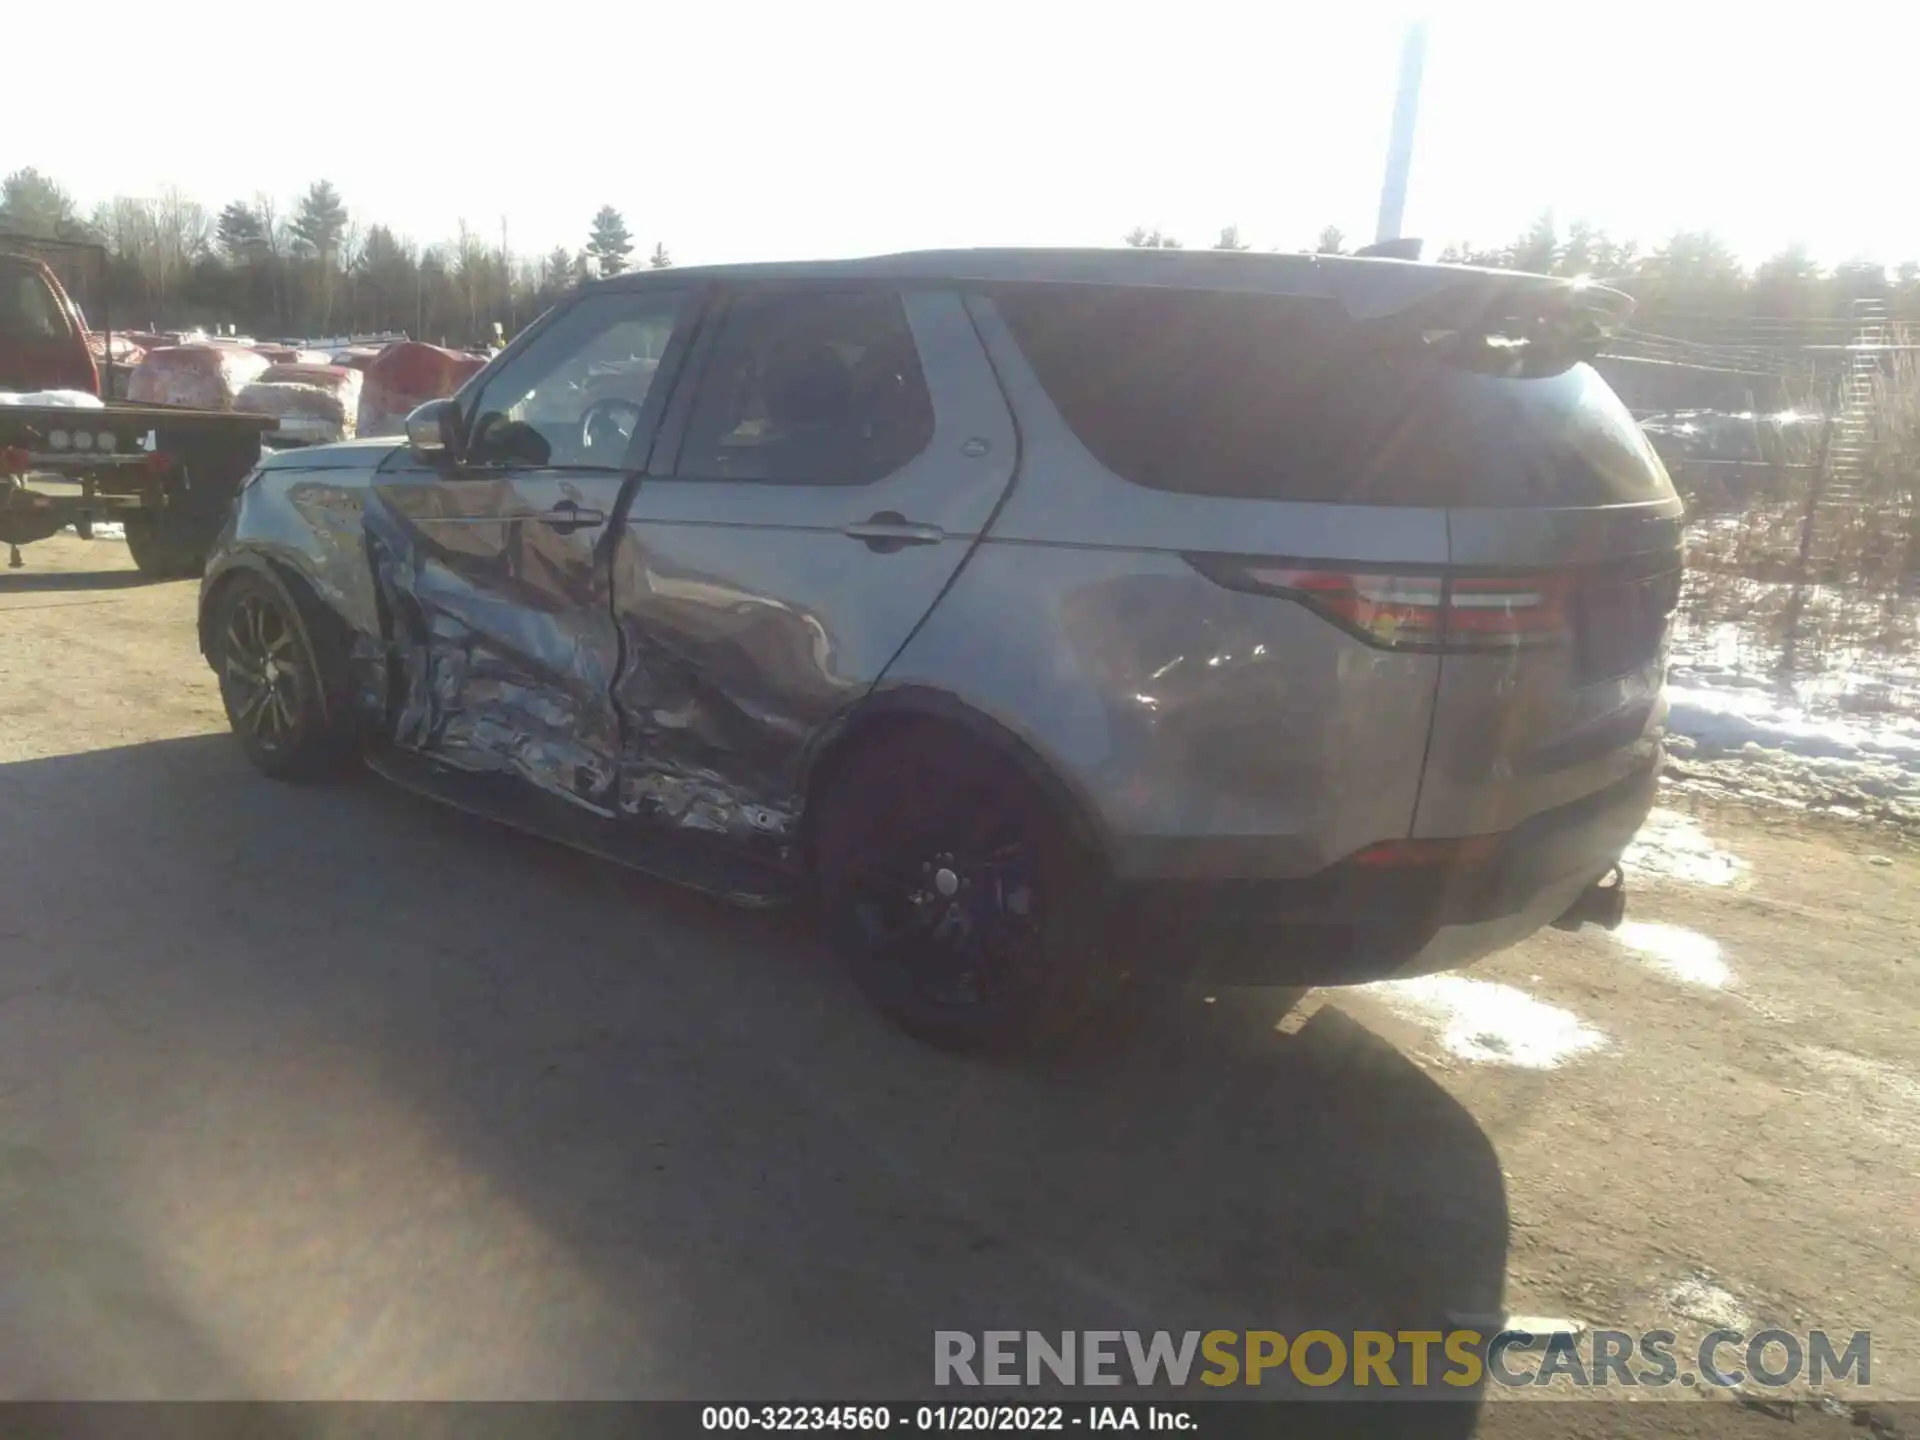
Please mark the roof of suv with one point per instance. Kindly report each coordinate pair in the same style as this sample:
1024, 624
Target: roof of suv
1365, 287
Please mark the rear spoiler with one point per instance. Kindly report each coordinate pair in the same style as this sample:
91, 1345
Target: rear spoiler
1500, 322
1391, 250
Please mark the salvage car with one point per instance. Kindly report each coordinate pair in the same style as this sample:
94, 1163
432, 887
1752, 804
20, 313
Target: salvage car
1045, 617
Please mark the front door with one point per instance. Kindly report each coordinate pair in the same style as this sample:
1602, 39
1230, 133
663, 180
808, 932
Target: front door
813, 492
492, 570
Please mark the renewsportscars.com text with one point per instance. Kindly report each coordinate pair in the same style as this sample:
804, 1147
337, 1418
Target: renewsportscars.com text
1459, 1358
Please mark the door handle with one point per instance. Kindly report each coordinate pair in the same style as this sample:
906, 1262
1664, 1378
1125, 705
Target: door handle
890, 530
567, 517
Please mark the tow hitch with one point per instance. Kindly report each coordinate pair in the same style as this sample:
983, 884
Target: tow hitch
1603, 903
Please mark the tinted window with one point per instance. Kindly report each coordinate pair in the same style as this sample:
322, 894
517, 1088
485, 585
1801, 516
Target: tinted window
27, 306
1246, 395
576, 393
821, 388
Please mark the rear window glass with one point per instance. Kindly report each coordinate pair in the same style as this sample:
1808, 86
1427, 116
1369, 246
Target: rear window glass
1241, 395
27, 306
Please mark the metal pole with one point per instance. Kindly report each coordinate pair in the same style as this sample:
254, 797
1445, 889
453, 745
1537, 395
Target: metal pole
506, 272
106, 320
1406, 107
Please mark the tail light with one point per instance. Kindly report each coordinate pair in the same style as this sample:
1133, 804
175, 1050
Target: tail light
1499, 611
1413, 610
14, 460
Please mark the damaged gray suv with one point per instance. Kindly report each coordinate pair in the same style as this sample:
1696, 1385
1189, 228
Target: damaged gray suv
1043, 617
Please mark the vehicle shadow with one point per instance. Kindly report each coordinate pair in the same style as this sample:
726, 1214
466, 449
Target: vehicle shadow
29, 581
400, 1104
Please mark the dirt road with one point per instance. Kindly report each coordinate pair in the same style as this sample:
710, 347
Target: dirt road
326, 1092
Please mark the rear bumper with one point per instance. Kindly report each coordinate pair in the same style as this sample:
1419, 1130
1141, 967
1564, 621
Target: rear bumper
1347, 925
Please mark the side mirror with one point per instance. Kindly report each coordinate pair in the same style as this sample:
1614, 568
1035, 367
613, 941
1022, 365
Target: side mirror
433, 431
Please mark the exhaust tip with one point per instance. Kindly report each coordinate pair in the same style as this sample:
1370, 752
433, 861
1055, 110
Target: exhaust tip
1603, 903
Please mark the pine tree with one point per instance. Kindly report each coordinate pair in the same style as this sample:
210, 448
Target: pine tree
1576, 256
1697, 257
31, 204
1538, 248
241, 234
609, 242
321, 220
660, 260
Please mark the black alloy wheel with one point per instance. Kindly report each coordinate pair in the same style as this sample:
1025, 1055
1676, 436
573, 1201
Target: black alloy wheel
959, 903
268, 681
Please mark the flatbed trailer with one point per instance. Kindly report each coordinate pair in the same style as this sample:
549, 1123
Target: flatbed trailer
166, 473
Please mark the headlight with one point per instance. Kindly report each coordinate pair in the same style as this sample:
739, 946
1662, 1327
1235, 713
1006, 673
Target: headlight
57, 439
82, 440
105, 443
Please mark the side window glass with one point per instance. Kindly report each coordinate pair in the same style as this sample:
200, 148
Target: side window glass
27, 307
576, 393
821, 388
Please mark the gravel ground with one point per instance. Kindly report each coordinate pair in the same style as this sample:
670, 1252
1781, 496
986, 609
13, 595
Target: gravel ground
329, 1093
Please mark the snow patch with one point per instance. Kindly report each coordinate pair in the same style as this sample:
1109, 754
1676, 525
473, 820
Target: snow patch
1698, 1298
1672, 846
1489, 1023
1678, 953
1885, 1097
1856, 653
64, 399
1718, 720
1843, 737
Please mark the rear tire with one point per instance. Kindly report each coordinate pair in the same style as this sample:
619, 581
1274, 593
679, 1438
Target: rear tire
165, 544
964, 909
174, 541
270, 683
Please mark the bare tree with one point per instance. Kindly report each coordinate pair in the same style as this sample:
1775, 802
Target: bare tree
128, 226
273, 239
351, 252
182, 230
471, 265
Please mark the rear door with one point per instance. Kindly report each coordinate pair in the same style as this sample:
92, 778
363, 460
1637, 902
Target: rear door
492, 571
1566, 568
838, 456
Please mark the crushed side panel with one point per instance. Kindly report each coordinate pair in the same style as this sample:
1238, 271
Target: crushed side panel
504, 649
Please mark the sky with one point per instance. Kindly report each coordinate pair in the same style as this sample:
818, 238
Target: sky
732, 130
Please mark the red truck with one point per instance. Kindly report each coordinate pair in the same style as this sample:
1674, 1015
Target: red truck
43, 342
167, 473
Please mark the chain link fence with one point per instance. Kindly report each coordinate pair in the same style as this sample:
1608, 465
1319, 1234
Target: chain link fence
1797, 449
